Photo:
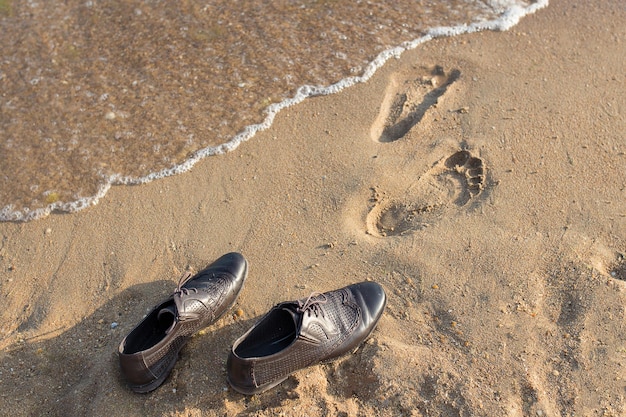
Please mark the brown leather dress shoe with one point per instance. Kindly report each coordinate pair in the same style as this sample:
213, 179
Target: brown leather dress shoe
297, 334
149, 352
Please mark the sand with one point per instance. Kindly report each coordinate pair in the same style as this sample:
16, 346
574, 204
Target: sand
480, 179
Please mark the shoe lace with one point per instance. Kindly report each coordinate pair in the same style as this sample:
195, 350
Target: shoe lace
180, 290
312, 304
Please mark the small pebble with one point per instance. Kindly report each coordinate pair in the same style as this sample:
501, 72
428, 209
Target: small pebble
555, 373
109, 116
48, 231
114, 325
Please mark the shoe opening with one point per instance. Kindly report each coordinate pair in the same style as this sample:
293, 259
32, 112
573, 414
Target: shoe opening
152, 329
273, 334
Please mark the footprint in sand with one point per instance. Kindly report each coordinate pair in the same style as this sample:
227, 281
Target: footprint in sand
452, 182
404, 107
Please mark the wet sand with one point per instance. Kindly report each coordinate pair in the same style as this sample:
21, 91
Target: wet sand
99, 93
479, 179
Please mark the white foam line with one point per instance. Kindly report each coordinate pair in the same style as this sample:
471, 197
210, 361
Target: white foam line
509, 18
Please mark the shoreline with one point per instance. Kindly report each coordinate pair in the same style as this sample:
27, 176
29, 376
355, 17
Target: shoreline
506, 285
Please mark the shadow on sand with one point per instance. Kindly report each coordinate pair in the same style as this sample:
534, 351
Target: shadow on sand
77, 372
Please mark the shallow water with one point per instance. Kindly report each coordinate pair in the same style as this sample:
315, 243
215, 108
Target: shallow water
99, 93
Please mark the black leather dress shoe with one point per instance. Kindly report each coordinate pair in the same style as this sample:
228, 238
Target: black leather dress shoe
149, 352
297, 334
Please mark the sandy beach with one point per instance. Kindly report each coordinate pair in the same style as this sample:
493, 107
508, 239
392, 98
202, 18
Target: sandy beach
479, 179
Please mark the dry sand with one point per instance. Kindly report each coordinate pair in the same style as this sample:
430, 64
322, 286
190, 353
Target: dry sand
507, 288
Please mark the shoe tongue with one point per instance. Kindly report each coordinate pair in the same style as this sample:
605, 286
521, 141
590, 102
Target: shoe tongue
167, 316
308, 327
